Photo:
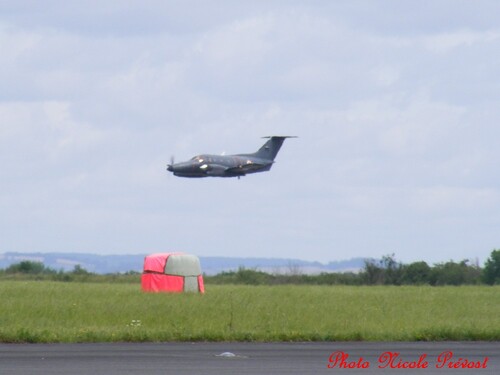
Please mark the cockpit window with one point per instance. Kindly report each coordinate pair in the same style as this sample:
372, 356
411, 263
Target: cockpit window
199, 159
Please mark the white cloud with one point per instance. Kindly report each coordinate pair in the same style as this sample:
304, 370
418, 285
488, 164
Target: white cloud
44, 128
448, 41
385, 75
241, 42
455, 201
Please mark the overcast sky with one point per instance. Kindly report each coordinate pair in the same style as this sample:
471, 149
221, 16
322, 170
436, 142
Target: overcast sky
396, 105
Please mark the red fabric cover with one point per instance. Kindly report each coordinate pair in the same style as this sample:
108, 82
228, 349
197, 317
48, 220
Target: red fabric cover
156, 262
153, 282
201, 286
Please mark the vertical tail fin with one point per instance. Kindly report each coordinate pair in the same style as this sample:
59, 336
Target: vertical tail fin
270, 149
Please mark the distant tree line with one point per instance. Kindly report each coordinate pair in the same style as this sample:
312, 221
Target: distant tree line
390, 272
29, 270
387, 271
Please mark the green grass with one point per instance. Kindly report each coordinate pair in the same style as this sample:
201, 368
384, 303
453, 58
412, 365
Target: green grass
32, 311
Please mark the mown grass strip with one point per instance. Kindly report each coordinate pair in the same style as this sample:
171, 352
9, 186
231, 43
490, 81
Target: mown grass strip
82, 312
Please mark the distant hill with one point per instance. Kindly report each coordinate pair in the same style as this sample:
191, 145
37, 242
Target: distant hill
210, 265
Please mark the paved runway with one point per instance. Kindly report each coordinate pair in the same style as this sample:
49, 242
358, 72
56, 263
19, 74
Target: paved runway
248, 358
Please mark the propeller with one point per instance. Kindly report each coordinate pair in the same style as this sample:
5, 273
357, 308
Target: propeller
172, 162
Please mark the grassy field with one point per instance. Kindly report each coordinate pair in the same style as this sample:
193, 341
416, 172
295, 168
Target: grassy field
33, 311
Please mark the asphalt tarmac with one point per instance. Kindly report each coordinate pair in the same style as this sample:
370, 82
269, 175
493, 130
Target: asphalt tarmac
251, 358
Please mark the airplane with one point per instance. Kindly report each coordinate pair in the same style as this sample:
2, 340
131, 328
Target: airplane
230, 165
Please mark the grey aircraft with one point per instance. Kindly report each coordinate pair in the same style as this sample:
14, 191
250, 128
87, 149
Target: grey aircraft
230, 165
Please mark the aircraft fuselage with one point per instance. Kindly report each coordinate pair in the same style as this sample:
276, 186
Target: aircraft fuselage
219, 166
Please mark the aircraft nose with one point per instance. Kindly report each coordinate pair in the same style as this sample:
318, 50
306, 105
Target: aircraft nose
170, 168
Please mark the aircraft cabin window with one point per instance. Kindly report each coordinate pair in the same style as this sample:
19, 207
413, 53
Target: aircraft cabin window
198, 159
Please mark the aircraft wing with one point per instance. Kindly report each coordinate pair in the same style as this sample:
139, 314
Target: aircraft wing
246, 168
